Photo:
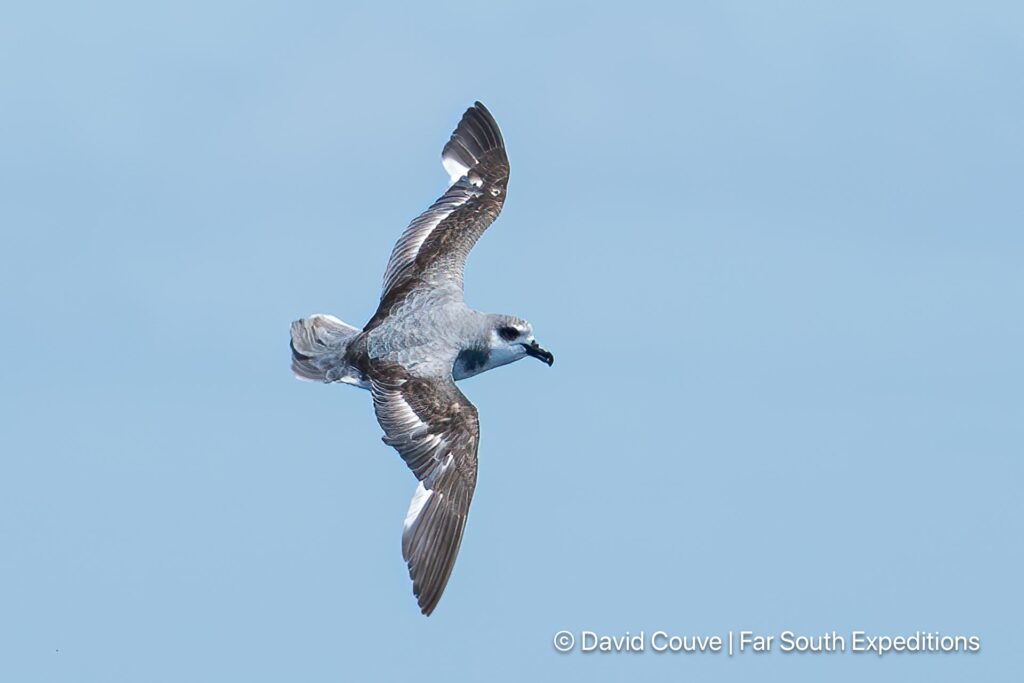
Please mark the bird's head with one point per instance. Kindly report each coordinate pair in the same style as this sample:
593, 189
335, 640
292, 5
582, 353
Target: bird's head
512, 338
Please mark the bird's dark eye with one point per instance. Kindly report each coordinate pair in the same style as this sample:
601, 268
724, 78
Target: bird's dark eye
508, 333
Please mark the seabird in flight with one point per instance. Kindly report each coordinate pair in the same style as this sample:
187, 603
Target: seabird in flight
422, 339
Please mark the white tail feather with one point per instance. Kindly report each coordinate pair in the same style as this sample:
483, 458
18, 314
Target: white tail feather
319, 343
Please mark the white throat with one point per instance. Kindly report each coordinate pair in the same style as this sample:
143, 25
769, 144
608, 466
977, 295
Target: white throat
470, 363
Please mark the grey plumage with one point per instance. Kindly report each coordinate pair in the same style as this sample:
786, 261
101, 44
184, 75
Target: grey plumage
423, 338
319, 343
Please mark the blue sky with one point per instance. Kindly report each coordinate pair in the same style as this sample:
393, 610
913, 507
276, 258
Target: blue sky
776, 250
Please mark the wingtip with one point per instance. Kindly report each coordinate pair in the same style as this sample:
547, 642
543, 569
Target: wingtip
476, 135
426, 599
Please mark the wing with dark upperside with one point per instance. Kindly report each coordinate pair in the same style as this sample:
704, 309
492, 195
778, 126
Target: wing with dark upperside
435, 429
434, 246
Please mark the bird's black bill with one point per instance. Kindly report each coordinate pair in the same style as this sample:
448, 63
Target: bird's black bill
539, 352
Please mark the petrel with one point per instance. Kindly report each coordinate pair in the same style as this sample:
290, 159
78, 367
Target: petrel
422, 339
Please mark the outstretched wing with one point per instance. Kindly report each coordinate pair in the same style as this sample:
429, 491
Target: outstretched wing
436, 430
434, 246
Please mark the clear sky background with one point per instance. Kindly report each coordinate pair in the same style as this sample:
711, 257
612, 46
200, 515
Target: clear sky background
776, 248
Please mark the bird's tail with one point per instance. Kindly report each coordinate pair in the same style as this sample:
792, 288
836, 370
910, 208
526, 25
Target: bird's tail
319, 343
